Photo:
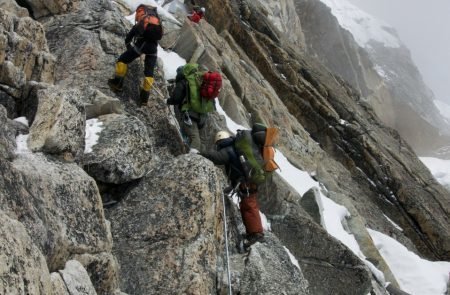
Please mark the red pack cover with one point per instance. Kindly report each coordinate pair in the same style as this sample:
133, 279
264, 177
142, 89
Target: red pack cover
211, 84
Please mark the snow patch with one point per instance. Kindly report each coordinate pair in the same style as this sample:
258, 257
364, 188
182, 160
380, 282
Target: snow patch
292, 258
233, 127
22, 120
93, 128
299, 180
21, 144
439, 168
414, 274
265, 222
393, 223
379, 275
379, 69
171, 62
333, 215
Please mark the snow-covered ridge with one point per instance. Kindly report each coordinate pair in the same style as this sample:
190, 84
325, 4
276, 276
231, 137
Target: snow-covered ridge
362, 26
443, 108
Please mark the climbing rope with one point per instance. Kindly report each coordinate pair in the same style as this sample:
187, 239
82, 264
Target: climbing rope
226, 243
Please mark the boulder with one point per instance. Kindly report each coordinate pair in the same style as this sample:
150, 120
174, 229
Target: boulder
58, 285
7, 136
42, 8
13, 7
11, 75
270, 269
30, 100
24, 53
9, 103
96, 41
76, 279
101, 104
59, 205
170, 221
59, 125
310, 204
122, 152
103, 271
23, 269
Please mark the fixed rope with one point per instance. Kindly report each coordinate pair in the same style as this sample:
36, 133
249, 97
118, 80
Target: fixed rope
225, 228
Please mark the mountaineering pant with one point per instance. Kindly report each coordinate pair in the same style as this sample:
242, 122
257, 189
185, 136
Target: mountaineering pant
250, 209
193, 133
149, 65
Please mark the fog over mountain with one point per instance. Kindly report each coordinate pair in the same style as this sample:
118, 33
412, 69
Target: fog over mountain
424, 27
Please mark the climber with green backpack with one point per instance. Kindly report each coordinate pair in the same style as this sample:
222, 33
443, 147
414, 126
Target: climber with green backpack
248, 158
194, 94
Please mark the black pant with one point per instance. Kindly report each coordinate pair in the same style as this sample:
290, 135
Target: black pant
149, 64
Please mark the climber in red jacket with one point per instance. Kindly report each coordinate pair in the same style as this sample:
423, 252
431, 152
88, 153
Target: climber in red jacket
197, 14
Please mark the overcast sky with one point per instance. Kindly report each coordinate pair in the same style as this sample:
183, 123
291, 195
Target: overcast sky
424, 27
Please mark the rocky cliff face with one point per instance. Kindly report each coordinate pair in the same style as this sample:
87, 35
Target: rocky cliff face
161, 231
383, 74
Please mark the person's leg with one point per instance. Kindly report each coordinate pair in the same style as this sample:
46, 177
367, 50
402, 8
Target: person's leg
121, 68
192, 133
149, 69
250, 214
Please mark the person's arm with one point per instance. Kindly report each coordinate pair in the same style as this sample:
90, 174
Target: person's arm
178, 94
220, 157
130, 35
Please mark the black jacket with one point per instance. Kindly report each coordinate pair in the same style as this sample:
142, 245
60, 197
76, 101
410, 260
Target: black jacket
226, 155
179, 93
146, 41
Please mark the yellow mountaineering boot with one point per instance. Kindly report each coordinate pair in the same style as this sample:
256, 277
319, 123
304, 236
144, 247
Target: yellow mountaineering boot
116, 83
145, 91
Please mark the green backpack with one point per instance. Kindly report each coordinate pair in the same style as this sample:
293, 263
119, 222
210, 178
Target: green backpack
256, 152
195, 102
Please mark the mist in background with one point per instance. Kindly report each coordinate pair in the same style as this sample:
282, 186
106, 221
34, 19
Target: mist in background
424, 27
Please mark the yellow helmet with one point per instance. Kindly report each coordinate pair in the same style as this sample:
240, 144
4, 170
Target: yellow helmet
221, 135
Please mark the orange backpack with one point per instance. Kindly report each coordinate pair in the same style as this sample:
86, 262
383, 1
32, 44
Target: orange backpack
147, 14
269, 151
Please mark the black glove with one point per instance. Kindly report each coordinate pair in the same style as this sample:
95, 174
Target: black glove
129, 46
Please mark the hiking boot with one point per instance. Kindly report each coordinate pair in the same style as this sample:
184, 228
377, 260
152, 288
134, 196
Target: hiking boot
143, 97
116, 84
251, 239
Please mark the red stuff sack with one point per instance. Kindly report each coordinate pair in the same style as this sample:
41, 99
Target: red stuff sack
211, 84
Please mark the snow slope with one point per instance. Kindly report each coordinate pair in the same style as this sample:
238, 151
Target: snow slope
363, 26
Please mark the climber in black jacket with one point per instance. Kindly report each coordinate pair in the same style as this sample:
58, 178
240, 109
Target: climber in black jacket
142, 39
225, 154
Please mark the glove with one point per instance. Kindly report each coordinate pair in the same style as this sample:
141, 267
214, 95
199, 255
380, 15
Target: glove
129, 46
228, 190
